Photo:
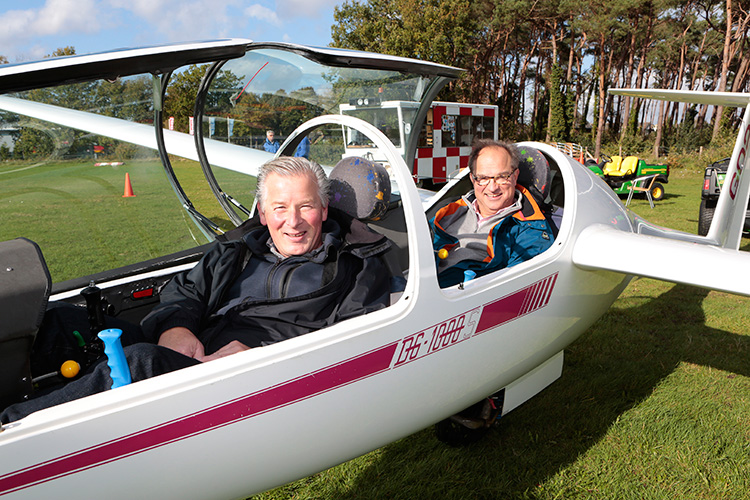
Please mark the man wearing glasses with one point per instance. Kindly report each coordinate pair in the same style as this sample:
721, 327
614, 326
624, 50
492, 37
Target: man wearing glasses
496, 225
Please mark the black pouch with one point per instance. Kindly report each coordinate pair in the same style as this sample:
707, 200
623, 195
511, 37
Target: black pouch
65, 334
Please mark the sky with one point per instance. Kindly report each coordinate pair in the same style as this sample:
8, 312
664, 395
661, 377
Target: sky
32, 29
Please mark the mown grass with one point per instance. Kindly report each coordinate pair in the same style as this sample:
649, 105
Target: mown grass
653, 403
77, 214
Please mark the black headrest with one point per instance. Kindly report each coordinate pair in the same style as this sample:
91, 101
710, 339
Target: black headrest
534, 172
361, 188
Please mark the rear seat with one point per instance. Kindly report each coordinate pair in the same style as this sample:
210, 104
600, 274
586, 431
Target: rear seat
25, 286
362, 189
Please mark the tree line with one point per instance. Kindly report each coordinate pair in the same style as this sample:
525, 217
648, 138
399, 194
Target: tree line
131, 99
548, 64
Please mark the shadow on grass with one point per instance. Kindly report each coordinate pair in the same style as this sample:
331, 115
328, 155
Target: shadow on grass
615, 365
223, 222
666, 198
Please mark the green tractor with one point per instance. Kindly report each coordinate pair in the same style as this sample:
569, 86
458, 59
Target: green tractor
621, 173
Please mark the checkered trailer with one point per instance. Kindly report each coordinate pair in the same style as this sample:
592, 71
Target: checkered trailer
445, 139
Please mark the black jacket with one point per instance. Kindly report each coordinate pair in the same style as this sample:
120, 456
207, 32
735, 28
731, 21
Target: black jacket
350, 278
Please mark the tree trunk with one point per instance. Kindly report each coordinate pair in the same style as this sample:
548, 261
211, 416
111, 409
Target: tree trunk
602, 99
659, 127
641, 70
552, 62
628, 77
724, 70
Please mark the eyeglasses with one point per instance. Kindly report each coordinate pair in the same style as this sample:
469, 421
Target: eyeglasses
484, 180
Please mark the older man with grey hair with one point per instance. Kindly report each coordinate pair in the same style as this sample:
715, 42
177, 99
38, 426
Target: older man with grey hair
298, 266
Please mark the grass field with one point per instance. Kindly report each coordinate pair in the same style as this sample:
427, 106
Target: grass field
61, 205
653, 403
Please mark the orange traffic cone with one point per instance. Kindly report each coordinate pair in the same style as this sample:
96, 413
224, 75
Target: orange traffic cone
128, 188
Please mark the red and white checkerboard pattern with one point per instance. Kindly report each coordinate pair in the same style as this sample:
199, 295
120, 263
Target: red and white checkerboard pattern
439, 163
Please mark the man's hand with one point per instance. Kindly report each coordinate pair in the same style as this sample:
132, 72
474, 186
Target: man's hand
182, 340
231, 348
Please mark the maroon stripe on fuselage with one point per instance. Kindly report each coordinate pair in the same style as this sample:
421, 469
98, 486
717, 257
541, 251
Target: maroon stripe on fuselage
304, 387
510, 307
516, 304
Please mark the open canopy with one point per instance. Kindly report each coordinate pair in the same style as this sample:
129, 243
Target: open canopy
164, 58
207, 102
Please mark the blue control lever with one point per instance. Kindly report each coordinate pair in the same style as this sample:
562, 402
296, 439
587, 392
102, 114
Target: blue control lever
118, 365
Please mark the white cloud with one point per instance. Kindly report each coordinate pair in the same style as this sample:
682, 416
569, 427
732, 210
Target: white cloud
95, 25
66, 16
23, 28
309, 8
185, 19
16, 24
146, 9
53, 18
261, 13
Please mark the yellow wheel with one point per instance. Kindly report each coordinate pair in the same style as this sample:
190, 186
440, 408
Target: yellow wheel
657, 191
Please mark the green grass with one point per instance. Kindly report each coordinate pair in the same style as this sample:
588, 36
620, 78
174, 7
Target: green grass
653, 403
62, 204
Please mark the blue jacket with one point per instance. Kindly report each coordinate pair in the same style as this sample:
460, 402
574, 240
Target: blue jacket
512, 240
271, 147
303, 149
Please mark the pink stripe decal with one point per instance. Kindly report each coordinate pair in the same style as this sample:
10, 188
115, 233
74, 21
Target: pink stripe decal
327, 379
436, 338
413, 347
517, 304
464, 326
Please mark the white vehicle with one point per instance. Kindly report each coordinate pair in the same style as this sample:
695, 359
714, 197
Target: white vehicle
267, 416
444, 141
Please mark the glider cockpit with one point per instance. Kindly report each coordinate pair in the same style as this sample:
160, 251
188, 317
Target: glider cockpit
90, 119
210, 102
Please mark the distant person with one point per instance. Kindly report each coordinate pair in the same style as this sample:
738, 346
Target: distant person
298, 267
270, 145
496, 225
303, 149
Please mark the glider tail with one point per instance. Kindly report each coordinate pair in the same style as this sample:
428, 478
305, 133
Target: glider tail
729, 217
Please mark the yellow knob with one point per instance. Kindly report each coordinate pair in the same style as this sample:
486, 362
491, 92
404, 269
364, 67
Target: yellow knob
70, 369
442, 253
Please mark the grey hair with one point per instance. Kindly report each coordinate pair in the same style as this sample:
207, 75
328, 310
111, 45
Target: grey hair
479, 145
288, 166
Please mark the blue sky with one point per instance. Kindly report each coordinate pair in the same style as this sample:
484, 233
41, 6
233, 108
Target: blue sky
32, 29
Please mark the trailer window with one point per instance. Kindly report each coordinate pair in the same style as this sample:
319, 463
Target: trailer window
427, 133
462, 131
385, 119
484, 127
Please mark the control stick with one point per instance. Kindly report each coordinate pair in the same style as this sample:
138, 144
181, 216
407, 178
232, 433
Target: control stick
93, 296
95, 309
